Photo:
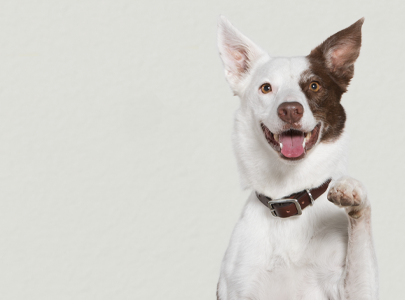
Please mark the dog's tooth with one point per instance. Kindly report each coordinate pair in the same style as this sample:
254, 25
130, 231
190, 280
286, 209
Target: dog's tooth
308, 136
303, 143
276, 137
281, 145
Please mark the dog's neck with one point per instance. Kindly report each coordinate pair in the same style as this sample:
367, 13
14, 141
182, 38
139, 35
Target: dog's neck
263, 171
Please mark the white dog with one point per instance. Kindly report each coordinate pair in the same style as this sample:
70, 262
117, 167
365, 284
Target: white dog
290, 143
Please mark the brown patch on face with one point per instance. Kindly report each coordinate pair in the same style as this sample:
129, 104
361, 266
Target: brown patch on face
325, 103
332, 67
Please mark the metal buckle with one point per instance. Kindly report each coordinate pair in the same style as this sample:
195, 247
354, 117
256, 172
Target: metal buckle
310, 196
295, 201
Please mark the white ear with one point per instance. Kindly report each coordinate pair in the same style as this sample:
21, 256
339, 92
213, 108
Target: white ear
237, 52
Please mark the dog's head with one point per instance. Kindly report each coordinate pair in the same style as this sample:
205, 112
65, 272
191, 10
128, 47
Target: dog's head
293, 102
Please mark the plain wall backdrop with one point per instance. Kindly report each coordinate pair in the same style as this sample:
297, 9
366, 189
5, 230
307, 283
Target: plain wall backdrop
117, 176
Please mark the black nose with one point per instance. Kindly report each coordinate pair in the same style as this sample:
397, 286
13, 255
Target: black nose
290, 112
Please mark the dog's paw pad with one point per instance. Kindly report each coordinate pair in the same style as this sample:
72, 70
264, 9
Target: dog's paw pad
349, 193
355, 214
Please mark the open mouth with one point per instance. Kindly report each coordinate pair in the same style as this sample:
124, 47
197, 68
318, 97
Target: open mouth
292, 144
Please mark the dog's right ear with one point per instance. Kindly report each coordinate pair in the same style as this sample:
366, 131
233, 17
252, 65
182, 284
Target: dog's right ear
237, 52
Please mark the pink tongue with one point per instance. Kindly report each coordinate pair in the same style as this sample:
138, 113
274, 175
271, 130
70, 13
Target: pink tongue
292, 143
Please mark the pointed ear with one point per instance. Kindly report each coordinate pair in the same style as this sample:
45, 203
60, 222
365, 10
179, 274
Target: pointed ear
340, 51
237, 52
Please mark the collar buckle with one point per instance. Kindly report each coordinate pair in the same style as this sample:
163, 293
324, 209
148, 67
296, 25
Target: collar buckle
279, 201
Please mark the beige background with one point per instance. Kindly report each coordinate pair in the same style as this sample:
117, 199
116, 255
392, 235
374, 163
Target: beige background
117, 177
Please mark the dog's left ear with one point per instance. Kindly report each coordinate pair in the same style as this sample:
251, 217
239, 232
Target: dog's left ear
340, 51
237, 52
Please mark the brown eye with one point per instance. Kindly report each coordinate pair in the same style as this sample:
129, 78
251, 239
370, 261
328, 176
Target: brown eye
265, 88
314, 86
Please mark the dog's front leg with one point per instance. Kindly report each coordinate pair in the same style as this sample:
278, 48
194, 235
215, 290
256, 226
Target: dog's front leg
360, 280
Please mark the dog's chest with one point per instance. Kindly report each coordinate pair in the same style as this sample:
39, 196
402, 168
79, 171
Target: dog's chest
288, 260
304, 271
299, 282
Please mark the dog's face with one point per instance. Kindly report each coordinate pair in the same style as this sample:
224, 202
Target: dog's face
293, 102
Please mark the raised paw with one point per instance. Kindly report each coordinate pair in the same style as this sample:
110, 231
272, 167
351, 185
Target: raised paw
349, 193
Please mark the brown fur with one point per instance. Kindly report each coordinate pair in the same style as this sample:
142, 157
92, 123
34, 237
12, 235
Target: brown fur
332, 66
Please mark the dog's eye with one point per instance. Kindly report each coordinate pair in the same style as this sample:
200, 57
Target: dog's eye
265, 88
314, 86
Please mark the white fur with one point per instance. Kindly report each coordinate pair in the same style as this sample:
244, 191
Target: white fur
301, 257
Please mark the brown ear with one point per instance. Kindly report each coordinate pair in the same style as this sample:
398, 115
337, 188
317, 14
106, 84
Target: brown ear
340, 51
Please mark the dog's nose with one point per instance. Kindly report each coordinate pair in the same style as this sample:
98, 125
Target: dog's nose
290, 112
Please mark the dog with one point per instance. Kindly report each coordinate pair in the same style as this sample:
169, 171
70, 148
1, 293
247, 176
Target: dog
305, 231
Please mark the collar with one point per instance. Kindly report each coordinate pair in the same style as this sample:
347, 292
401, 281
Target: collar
293, 204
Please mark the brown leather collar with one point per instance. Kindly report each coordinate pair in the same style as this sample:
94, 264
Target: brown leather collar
293, 205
